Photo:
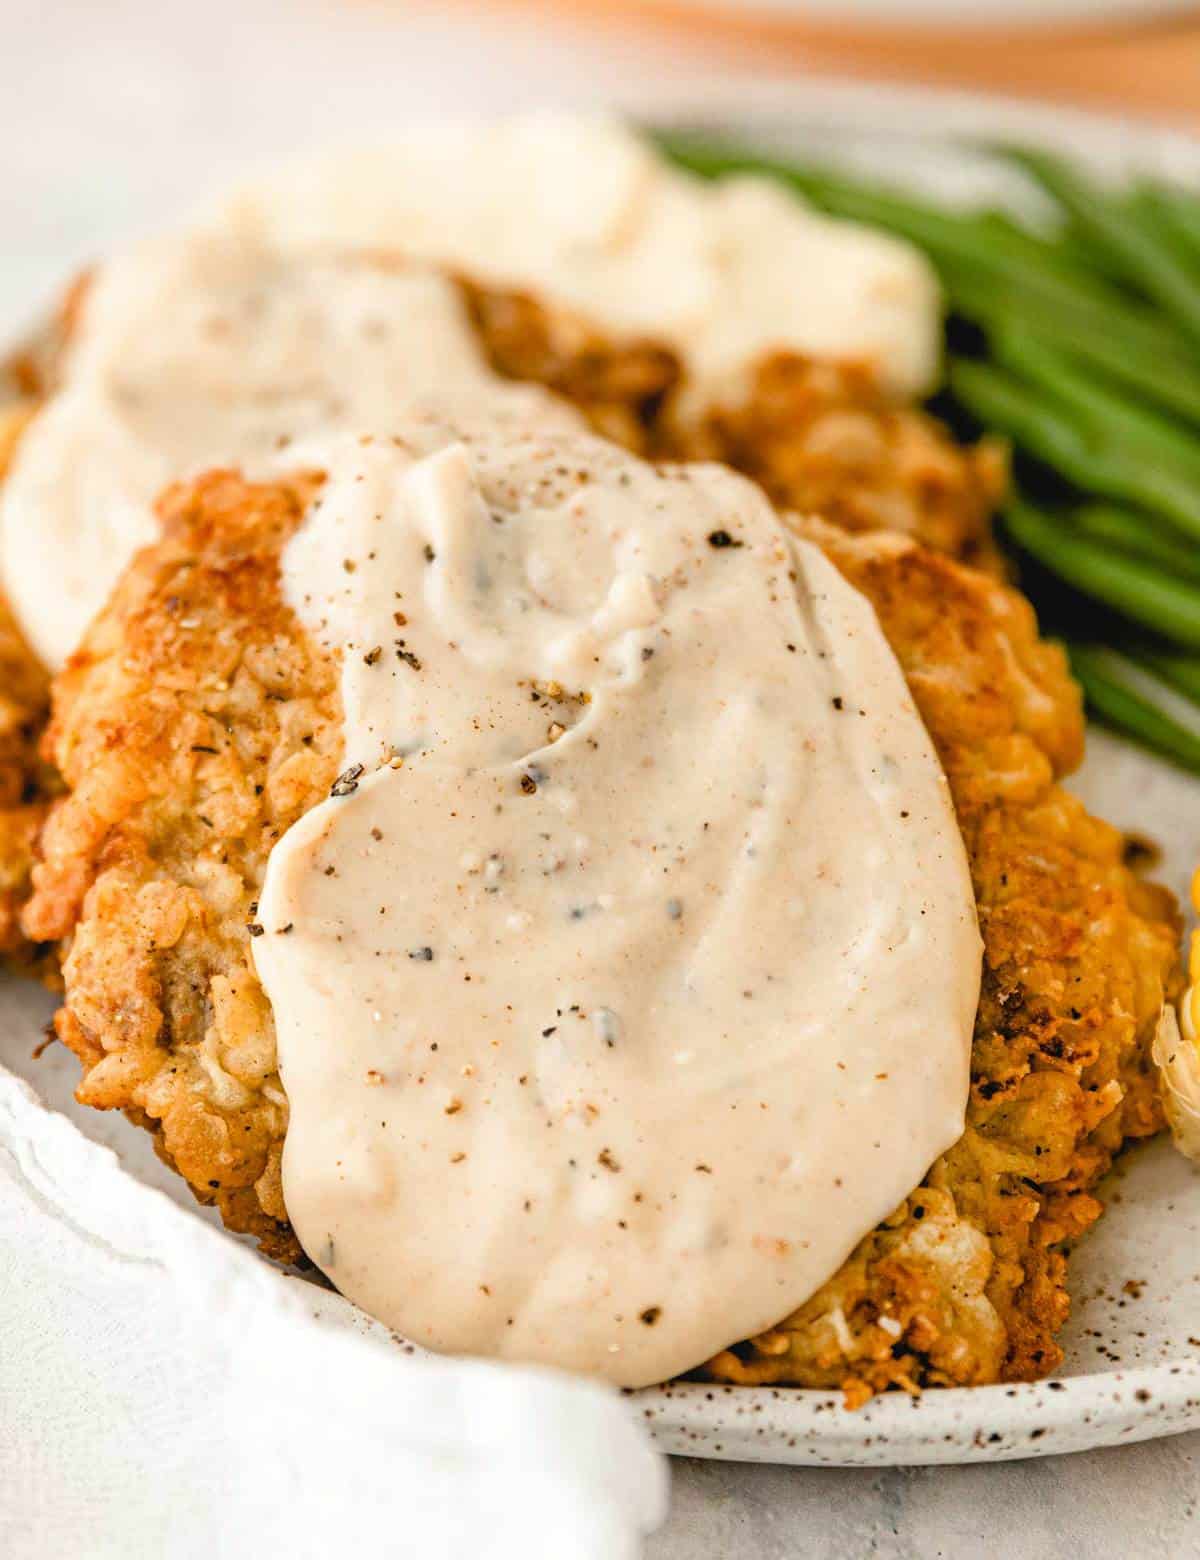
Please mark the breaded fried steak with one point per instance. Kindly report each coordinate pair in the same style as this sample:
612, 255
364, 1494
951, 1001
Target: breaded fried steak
25, 781
199, 721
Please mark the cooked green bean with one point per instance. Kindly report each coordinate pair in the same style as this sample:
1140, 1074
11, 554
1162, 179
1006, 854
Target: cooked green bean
1138, 590
1139, 534
1171, 381
1104, 410
1082, 456
1064, 253
1181, 210
1132, 698
1181, 671
1153, 211
1114, 225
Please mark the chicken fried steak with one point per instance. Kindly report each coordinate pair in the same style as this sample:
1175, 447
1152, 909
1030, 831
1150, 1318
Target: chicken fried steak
199, 721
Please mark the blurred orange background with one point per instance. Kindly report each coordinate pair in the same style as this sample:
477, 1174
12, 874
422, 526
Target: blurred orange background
1150, 67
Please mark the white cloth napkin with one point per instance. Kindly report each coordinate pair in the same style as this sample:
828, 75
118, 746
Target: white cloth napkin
165, 1393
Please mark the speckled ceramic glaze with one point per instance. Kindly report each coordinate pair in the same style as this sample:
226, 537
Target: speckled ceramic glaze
1132, 1368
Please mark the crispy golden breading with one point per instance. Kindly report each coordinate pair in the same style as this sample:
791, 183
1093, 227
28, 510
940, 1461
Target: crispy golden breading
621, 386
820, 437
194, 726
823, 439
25, 782
199, 721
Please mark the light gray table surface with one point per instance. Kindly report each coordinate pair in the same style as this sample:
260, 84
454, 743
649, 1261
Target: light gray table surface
1136, 1501
112, 118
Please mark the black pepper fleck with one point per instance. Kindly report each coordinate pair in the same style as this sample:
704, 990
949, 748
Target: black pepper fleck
347, 781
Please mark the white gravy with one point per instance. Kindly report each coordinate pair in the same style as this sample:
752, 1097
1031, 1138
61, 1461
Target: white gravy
628, 978
582, 211
208, 349
267, 320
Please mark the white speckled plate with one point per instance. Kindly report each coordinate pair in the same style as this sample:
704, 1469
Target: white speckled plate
1133, 1343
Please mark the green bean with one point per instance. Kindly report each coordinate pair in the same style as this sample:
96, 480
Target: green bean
1104, 410
1171, 381
1060, 442
1150, 206
1063, 253
996, 399
1138, 590
1116, 227
1181, 671
984, 242
1130, 697
1086, 253
1117, 330
1139, 534
1181, 209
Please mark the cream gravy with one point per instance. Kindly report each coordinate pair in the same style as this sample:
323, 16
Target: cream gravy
628, 976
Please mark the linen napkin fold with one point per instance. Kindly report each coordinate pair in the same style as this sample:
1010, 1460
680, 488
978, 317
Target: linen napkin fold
164, 1392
